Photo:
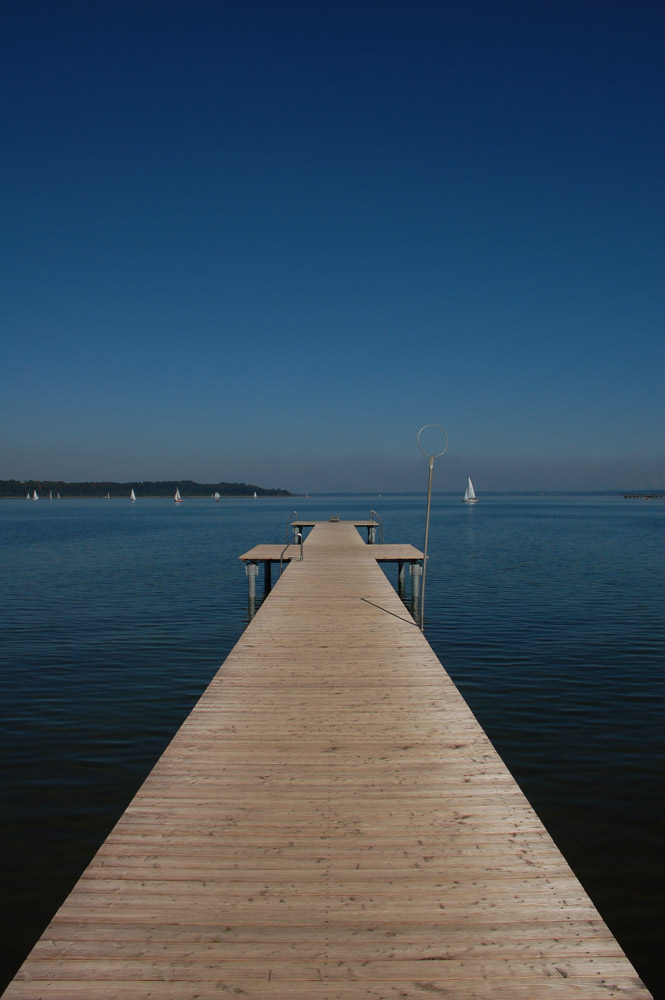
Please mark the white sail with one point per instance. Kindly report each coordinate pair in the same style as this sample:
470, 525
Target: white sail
177, 498
216, 497
470, 493
132, 496
34, 495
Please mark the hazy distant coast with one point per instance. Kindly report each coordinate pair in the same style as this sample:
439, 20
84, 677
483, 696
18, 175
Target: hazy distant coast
163, 488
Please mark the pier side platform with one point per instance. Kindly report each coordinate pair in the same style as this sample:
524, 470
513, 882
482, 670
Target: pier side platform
329, 823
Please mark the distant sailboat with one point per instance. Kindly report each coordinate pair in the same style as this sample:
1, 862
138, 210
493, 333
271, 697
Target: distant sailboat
216, 498
35, 495
132, 496
50, 494
255, 494
177, 498
470, 493
108, 496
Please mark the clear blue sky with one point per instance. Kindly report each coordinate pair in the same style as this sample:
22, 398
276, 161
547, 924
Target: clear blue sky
267, 241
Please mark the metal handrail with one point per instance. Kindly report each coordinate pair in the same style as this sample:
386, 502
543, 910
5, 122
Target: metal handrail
373, 516
296, 540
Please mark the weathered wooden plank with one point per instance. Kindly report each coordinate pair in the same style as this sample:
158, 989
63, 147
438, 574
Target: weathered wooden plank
474, 988
456, 944
558, 987
453, 971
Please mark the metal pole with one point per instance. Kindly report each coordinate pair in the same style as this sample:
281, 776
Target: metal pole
431, 458
429, 504
401, 577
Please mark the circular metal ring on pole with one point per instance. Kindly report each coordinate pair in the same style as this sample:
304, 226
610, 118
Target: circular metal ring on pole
438, 454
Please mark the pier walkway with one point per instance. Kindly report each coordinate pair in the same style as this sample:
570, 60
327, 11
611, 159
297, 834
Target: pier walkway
330, 823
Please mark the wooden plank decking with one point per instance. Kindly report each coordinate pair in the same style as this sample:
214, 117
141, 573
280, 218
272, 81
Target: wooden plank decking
330, 823
381, 553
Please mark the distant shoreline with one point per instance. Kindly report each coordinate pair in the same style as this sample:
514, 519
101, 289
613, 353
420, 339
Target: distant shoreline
15, 489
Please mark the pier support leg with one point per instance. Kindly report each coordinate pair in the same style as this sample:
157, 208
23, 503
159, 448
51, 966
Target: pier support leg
401, 579
416, 576
267, 581
371, 534
252, 571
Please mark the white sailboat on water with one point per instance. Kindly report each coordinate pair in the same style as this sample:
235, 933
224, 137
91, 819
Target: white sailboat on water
35, 495
177, 497
216, 497
470, 493
132, 496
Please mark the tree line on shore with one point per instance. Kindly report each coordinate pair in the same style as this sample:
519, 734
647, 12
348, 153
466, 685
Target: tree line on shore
162, 488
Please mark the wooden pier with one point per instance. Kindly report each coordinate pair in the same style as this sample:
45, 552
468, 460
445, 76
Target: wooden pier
330, 823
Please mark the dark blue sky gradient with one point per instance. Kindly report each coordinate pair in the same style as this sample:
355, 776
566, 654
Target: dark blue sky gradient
268, 241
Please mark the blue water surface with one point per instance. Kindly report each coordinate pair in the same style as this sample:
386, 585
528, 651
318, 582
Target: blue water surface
546, 611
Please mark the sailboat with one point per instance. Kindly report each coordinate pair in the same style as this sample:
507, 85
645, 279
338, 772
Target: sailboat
470, 493
255, 494
34, 495
50, 494
132, 496
216, 497
177, 497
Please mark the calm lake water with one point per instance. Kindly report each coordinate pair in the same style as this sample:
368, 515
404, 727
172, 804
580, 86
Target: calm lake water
546, 611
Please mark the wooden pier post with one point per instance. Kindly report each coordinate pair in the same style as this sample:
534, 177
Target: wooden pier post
416, 576
252, 570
